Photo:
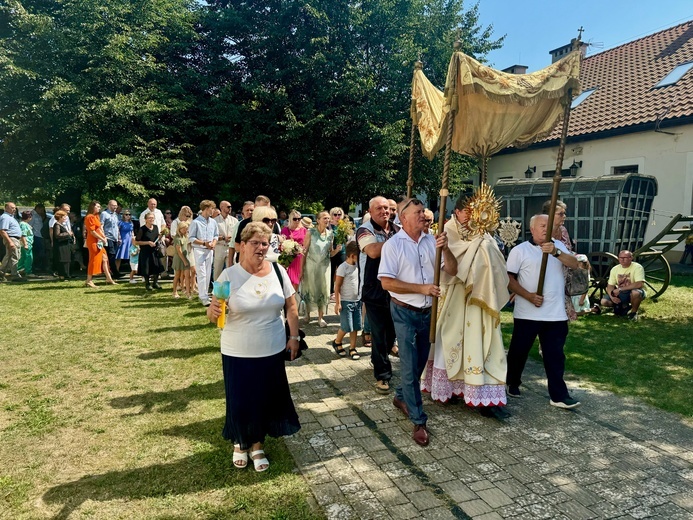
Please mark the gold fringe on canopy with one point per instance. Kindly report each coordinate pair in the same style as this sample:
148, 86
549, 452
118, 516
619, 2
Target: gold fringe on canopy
494, 109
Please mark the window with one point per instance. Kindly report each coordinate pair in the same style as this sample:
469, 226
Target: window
622, 170
674, 75
550, 173
584, 95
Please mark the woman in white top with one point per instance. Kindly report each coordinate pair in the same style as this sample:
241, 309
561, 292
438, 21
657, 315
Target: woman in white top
253, 349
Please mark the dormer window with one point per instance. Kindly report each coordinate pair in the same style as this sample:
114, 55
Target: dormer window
674, 75
584, 95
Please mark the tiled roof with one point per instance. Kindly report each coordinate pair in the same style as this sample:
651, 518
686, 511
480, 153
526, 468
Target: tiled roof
625, 76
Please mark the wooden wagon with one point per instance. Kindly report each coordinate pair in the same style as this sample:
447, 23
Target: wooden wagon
605, 215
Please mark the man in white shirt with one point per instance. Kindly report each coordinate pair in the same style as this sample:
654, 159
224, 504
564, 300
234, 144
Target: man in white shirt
203, 235
227, 224
159, 219
406, 271
536, 315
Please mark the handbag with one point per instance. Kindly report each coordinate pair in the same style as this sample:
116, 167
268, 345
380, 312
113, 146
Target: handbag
302, 345
577, 281
160, 249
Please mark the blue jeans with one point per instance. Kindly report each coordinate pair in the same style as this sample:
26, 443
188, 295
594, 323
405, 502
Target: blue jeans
412, 329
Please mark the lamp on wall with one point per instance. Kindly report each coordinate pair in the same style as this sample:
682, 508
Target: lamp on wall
530, 170
574, 167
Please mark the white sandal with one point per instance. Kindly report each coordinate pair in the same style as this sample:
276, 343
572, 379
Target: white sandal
259, 462
239, 456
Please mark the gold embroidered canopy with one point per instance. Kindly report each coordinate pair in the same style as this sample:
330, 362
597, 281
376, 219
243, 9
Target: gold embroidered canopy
493, 109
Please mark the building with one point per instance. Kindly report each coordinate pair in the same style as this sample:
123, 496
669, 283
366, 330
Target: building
634, 115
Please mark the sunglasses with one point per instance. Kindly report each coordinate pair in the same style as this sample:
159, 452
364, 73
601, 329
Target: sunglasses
296, 219
269, 220
127, 214
337, 215
415, 202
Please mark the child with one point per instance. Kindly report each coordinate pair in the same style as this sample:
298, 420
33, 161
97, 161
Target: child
181, 264
134, 258
347, 302
582, 302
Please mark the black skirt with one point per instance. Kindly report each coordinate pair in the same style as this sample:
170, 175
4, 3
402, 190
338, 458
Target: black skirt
258, 400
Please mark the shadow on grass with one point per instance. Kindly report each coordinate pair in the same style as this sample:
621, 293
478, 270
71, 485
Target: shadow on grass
169, 402
204, 471
179, 353
183, 328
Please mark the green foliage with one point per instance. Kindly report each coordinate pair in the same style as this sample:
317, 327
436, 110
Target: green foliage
295, 99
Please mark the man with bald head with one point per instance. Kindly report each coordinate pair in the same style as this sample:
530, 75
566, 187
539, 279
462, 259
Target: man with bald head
11, 235
226, 225
159, 219
370, 238
539, 315
625, 289
110, 226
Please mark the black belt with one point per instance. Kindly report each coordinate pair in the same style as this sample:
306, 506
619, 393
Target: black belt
424, 310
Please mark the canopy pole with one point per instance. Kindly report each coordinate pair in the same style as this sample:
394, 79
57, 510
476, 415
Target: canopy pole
418, 65
484, 170
444, 189
557, 176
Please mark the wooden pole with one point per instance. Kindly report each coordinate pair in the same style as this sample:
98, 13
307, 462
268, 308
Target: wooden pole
418, 65
557, 176
444, 189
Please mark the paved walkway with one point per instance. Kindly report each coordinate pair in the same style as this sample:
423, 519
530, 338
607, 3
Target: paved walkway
611, 458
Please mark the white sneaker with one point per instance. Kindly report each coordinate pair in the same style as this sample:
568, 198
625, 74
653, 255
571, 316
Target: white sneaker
133, 281
322, 323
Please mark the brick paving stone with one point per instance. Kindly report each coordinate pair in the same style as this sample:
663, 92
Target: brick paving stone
512, 488
439, 513
424, 499
404, 511
458, 491
391, 497
494, 497
376, 480
613, 458
575, 510
475, 507
489, 516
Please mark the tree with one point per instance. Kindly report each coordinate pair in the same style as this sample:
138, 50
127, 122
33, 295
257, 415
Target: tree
92, 98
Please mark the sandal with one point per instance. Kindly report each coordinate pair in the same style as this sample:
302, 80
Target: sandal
240, 458
353, 354
259, 462
367, 340
339, 349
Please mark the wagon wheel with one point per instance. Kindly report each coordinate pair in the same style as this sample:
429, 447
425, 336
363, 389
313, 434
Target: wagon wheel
657, 274
601, 263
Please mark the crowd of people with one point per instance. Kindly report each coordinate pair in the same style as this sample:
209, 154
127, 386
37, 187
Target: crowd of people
380, 277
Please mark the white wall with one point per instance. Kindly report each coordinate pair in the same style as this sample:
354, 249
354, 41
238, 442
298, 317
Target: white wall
669, 158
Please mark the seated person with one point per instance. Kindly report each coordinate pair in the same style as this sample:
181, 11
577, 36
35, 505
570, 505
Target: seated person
625, 286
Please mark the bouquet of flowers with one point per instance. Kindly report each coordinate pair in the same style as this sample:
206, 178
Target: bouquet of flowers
344, 230
288, 251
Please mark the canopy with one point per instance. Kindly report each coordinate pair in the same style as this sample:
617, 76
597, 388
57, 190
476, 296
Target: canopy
494, 109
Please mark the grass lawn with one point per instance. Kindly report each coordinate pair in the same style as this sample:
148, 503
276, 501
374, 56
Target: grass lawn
651, 359
112, 405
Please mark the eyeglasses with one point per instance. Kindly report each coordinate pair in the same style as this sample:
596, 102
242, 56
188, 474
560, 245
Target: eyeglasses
269, 220
624, 257
561, 214
257, 244
296, 219
415, 202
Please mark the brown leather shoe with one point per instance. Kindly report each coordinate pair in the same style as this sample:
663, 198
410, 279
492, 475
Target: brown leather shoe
420, 435
401, 405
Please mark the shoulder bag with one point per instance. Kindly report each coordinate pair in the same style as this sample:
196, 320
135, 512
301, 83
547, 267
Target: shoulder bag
302, 345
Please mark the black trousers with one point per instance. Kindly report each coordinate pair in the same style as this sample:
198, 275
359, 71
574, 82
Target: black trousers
552, 336
382, 339
111, 251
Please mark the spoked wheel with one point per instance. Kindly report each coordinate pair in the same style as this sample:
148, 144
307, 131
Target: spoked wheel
601, 263
657, 274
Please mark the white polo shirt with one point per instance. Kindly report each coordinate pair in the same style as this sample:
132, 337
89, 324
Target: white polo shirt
410, 261
524, 260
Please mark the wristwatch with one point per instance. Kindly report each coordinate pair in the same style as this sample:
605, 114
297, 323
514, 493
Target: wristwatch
297, 338
558, 253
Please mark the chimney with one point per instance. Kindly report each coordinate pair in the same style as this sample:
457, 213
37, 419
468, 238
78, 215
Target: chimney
562, 52
516, 69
